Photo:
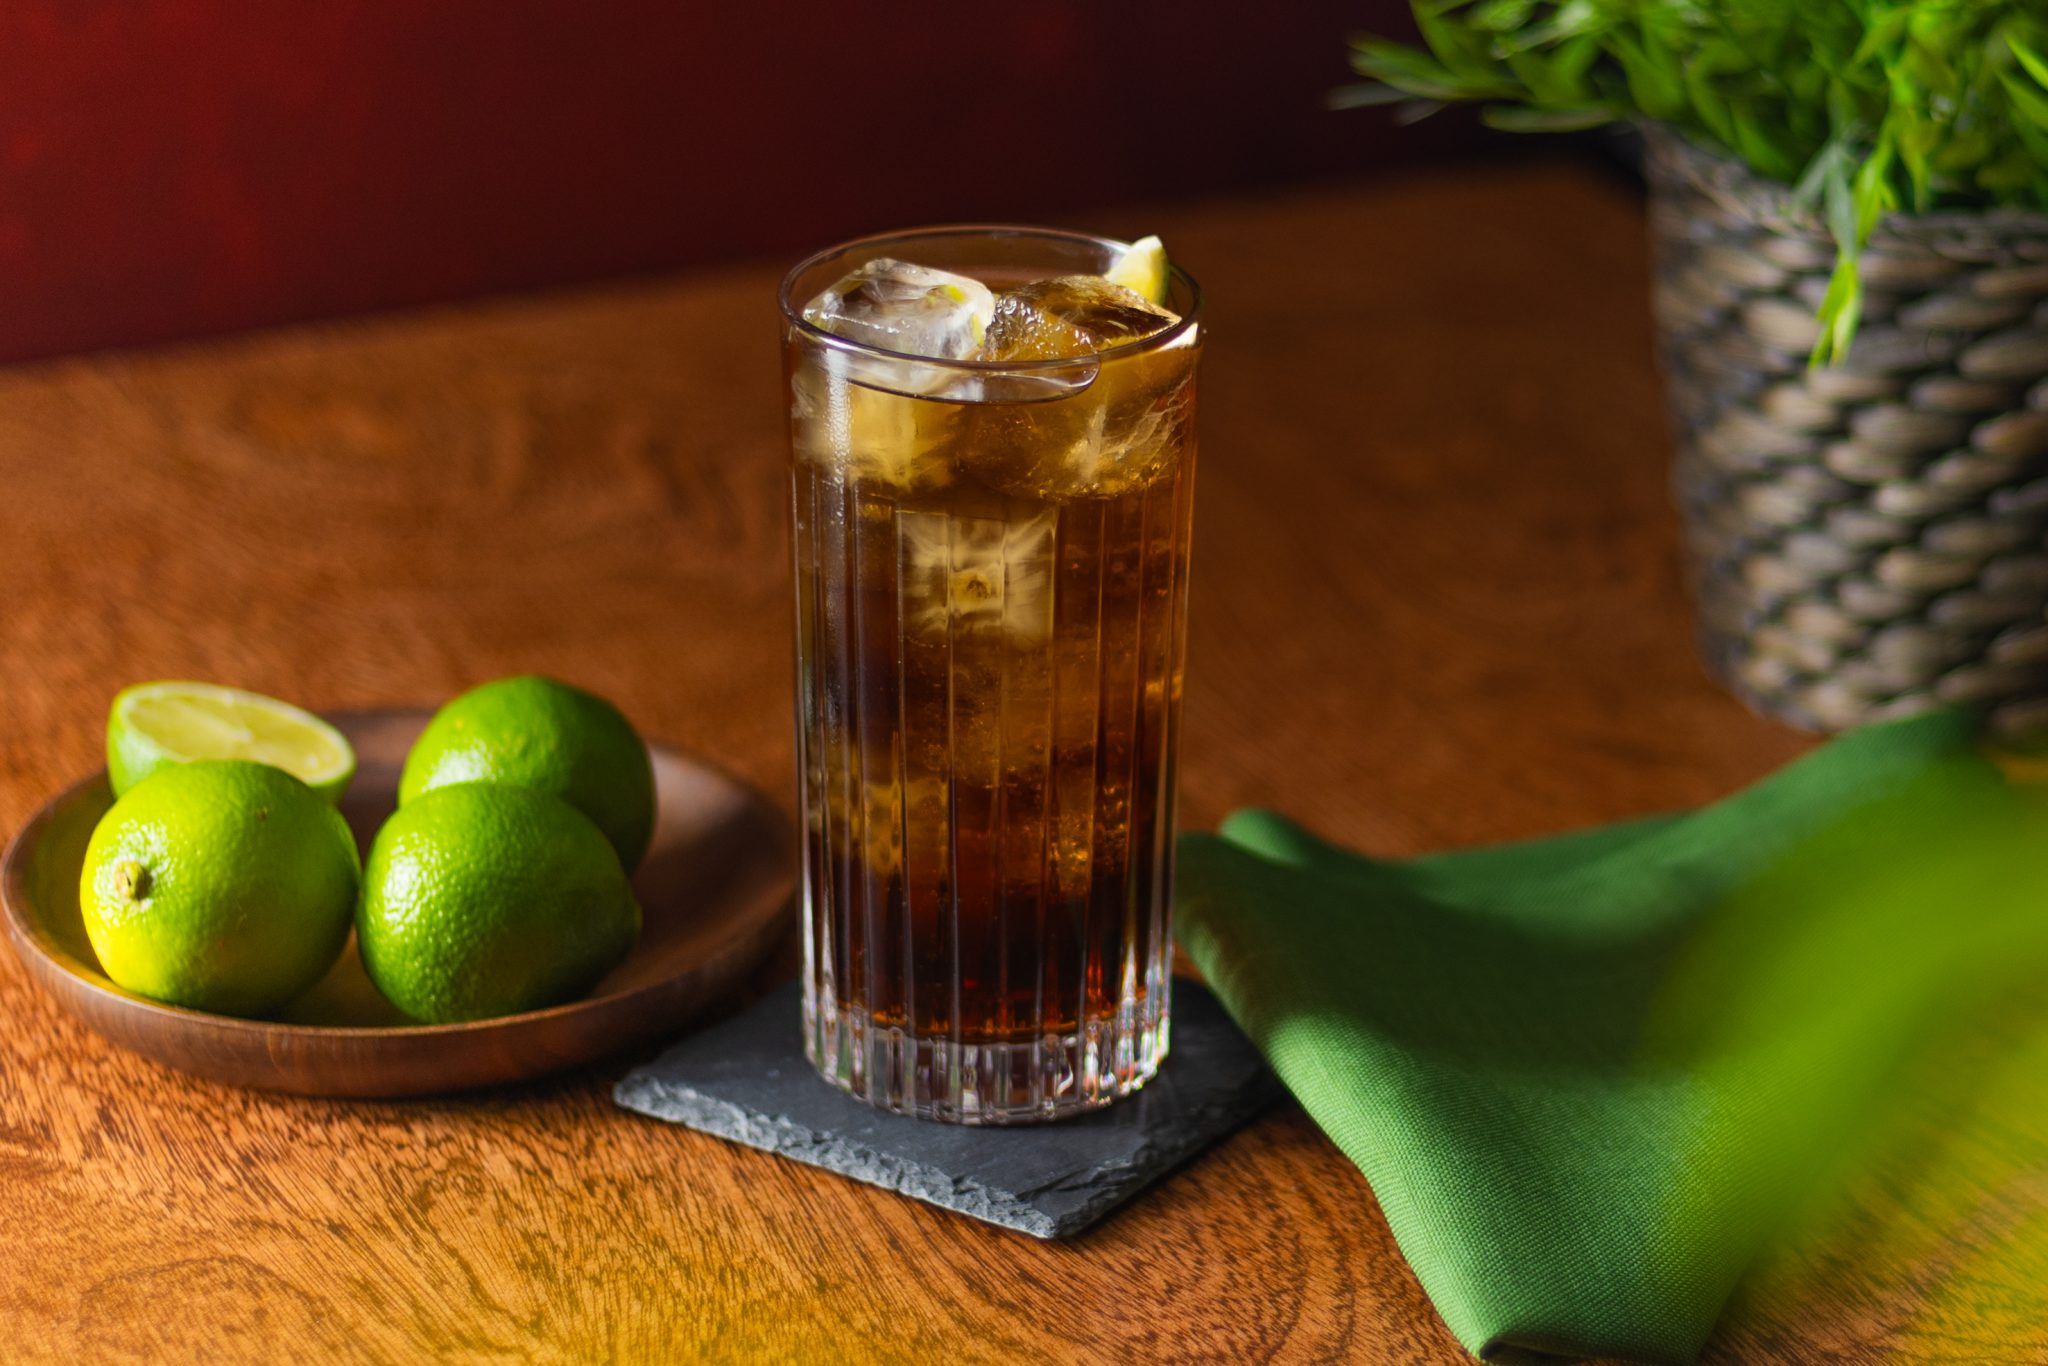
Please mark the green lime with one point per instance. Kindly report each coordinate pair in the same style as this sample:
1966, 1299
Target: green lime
481, 900
154, 724
223, 885
537, 733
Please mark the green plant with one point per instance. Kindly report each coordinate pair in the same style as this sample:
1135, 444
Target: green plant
1863, 106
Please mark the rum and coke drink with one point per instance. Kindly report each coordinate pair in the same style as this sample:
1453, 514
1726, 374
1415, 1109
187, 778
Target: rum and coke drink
992, 481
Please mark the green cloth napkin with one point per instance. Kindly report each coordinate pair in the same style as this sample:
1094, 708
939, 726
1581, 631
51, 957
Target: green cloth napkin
1584, 1075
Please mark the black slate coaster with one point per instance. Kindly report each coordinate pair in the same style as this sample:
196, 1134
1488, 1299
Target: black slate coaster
746, 1079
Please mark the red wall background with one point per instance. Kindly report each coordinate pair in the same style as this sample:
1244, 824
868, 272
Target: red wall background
174, 167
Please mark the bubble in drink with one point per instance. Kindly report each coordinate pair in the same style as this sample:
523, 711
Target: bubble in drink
911, 309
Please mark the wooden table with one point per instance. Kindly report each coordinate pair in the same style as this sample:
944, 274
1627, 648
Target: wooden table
1437, 602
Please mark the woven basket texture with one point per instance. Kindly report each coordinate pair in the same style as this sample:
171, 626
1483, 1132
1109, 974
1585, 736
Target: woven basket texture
1870, 538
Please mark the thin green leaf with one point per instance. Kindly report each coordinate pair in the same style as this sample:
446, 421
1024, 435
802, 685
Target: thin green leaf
1838, 207
1841, 308
1871, 192
2036, 66
1759, 149
1407, 70
1657, 87
2028, 101
1574, 57
1465, 52
1502, 16
1415, 111
1364, 95
1516, 119
1709, 109
1916, 139
1885, 31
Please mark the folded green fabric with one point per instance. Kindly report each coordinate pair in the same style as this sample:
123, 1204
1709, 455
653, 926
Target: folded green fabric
1584, 1075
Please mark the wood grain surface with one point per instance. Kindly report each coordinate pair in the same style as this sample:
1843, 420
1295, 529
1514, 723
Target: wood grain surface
1436, 601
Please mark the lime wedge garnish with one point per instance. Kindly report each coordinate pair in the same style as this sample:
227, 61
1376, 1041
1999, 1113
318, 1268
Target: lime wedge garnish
153, 724
1141, 269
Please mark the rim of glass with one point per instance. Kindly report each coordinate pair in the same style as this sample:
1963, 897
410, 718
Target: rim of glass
792, 312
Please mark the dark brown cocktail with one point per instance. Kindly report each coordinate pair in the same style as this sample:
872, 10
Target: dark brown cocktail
992, 484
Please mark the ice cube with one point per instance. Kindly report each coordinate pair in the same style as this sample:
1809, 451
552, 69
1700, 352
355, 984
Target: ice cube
1123, 434
891, 443
1069, 315
872, 818
1121, 431
910, 309
979, 574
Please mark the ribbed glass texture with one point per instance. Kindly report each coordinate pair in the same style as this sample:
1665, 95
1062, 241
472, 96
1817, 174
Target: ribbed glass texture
991, 576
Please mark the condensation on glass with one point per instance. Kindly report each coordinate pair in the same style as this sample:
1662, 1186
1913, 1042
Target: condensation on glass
991, 580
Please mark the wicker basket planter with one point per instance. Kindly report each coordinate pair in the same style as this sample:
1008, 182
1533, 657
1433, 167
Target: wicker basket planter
1870, 538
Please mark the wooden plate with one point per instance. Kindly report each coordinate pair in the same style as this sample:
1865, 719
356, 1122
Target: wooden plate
715, 888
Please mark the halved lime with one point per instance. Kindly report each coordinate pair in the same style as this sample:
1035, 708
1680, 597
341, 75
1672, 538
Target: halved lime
1141, 269
154, 724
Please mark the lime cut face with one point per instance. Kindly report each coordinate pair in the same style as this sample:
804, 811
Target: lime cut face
153, 725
